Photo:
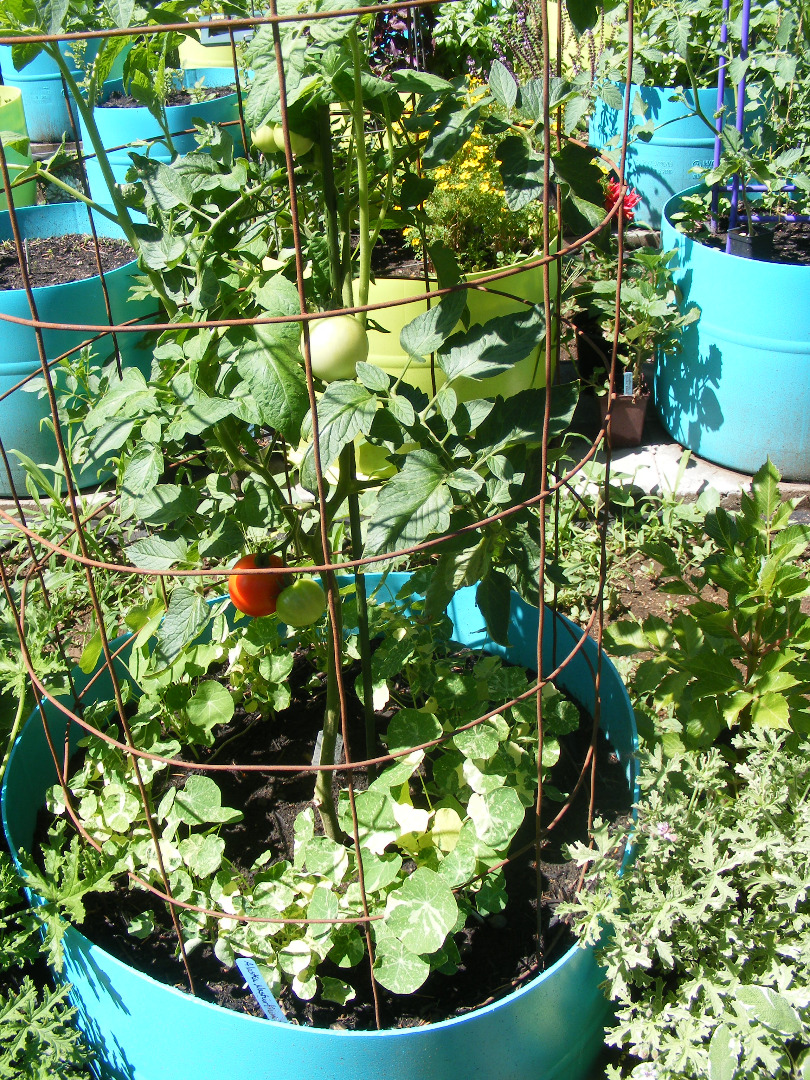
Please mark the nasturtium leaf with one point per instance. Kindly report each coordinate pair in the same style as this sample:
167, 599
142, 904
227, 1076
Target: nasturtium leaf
377, 825
479, 742
119, 808
325, 857
202, 854
200, 803
446, 828
422, 911
397, 968
379, 871
337, 990
496, 816
209, 705
411, 727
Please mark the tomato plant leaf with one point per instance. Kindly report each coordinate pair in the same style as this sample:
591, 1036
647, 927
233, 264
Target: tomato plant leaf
345, 410
495, 347
275, 379
429, 331
502, 85
521, 172
157, 552
412, 505
454, 123
185, 618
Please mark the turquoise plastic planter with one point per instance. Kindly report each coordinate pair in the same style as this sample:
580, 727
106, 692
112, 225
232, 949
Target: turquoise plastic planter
550, 1029
46, 110
658, 169
79, 301
740, 390
126, 127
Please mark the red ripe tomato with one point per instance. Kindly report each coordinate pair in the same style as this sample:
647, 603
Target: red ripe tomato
256, 594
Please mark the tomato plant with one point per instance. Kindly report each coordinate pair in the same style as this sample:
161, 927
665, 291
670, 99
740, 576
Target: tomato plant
336, 346
256, 594
302, 603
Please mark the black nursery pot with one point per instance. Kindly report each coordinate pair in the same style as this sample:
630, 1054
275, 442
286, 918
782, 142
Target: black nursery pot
757, 245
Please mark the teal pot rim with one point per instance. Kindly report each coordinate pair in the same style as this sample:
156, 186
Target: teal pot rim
570, 984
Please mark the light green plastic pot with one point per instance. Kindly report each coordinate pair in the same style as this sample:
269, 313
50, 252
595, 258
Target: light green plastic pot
549, 1029
12, 118
386, 352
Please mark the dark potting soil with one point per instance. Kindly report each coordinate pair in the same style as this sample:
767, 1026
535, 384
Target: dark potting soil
393, 256
117, 100
58, 259
497, 954
789, 242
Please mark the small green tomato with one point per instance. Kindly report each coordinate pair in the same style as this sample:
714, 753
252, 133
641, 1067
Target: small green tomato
336, 346
263, 139
301, 604
299, 144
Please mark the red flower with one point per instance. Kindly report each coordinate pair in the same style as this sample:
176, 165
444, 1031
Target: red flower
631, 199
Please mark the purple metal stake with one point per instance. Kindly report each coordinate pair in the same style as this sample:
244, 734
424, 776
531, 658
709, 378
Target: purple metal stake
721, 97
735, 187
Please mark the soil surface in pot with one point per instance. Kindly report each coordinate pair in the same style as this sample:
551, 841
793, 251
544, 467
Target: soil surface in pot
498, 954
117, 100
790, 243
55, 260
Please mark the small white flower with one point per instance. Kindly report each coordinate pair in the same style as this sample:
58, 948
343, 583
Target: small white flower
645, 1071
666, 832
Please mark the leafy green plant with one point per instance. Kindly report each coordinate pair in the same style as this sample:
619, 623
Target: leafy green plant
432, 824
736, 662
37, 1041
706, 959
650, 323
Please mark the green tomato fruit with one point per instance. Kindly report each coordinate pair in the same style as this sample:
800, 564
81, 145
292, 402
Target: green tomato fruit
299, 144
336, 346
263, 139
302, 603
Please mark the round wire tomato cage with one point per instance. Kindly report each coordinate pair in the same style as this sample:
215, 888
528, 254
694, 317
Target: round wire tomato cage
74, 538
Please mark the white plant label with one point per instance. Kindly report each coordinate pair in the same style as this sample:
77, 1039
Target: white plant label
260, 990
628, 383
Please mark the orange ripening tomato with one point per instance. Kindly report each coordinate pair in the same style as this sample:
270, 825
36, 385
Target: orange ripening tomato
256, 594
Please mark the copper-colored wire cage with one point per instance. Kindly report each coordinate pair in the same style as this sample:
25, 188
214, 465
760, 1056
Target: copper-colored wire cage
33, 592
